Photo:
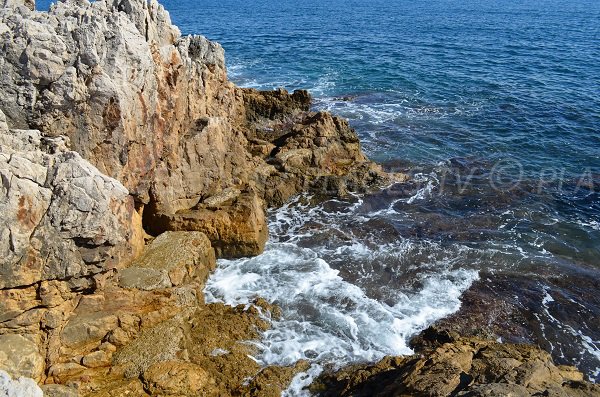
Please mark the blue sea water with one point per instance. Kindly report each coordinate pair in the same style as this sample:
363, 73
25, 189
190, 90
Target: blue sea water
493, 107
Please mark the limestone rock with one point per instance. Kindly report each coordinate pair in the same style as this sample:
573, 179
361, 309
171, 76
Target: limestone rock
274, 104
61, 74
448, 365
30, 4
155, 345
235, 230
179, 378
121, 388
307, 151
59, 391
18, 387
62, 218
20, 357
172, 259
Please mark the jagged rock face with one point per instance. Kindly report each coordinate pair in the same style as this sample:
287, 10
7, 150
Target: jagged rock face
155, 111
450, 365
117, 78
18, 387
62, 219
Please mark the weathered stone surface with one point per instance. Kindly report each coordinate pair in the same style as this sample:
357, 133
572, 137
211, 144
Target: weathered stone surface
61, 75
121, 388
305, 151
272, 105
448, 365
235, 230
179, 378
61, 217
30, 4
140, 125
172, 259
96, 359
155, 345
20, 357
18, 387
59, 391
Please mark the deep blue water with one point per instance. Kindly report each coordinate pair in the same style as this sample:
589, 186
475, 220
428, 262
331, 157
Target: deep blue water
494, 106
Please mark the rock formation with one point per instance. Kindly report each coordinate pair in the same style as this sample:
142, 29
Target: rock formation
156, 112
112, 126
128, 164
449, 365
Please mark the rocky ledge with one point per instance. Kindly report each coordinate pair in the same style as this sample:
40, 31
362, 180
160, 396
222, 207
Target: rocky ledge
446, 364
129, 164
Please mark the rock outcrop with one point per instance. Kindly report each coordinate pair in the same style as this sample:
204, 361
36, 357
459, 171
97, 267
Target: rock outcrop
128, 164
446, 364
62, 218
155, 111
112, 126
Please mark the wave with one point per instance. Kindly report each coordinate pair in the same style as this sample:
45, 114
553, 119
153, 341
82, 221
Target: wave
331, 314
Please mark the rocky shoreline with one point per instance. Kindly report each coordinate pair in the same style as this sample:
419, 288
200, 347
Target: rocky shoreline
129, 164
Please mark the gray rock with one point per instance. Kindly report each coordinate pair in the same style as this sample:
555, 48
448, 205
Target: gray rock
59, 391
20, 357
61, 217
18, 387
30, 4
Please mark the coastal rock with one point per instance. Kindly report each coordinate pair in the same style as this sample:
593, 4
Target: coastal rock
62, 218
236, 228
10, 387
113, 125
448, 365
172, 259
305, 151
109, 74
275, 104
155, 111
20, 357
179, 378
30, 4
59, 391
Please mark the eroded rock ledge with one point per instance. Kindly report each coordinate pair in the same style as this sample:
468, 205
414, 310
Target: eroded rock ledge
446, 364
128, 164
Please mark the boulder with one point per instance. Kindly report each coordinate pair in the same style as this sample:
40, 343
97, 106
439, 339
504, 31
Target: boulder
10, 387
20, 357
448, 365
236, 228
172, 259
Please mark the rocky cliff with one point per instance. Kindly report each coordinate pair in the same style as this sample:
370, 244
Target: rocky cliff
129, 163
115, 129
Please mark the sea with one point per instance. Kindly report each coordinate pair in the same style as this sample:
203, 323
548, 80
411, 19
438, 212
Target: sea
493, 108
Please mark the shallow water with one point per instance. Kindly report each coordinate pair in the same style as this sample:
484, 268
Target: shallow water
493, 107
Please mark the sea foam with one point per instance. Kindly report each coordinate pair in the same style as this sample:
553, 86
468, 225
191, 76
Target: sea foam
329, 319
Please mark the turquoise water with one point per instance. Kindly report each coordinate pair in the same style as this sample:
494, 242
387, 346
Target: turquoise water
493, 107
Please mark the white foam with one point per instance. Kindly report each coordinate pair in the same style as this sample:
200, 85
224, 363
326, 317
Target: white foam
326, 318
591, 224
591, 346
426, 191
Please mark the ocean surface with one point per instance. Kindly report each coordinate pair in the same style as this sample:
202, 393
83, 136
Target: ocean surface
494, 108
